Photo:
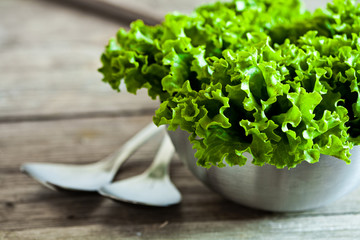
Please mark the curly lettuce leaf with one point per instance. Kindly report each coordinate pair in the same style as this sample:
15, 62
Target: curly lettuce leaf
262, 77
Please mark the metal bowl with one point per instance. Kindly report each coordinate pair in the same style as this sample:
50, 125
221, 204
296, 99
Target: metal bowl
305, 187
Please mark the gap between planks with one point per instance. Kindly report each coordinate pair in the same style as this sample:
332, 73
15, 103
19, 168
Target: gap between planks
72, 116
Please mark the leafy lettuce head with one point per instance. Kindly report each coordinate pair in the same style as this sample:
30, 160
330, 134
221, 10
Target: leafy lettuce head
257, 76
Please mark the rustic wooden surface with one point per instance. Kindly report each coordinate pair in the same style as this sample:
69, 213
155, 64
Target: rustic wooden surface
54, 108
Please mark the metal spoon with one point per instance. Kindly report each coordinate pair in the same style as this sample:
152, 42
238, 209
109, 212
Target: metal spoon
153, 187
89, 177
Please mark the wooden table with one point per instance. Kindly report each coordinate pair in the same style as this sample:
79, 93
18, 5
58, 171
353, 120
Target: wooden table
54, 108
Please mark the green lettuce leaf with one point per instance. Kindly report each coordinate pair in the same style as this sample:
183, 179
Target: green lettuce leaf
262, 77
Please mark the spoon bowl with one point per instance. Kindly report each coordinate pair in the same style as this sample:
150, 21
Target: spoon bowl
68, 177
88, 177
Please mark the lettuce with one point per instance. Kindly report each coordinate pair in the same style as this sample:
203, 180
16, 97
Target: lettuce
257, 76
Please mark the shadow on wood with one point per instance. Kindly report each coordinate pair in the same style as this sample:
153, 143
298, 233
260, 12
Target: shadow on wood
108, 11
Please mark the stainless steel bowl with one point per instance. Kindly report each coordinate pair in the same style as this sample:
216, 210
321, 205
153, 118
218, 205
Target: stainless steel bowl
305, 187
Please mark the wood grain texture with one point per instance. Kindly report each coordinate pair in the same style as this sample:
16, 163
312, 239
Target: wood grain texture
53, 70
263, 228
29, 210
54, 108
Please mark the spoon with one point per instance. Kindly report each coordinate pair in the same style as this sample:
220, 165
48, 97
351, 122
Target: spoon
88, 177
153, 187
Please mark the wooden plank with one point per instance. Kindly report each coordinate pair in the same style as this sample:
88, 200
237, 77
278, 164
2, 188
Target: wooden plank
83, 140
53, 70
85, 95
336, 227
87, 140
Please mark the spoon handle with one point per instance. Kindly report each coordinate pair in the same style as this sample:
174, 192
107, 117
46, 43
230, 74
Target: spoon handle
160, 166
114, 161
